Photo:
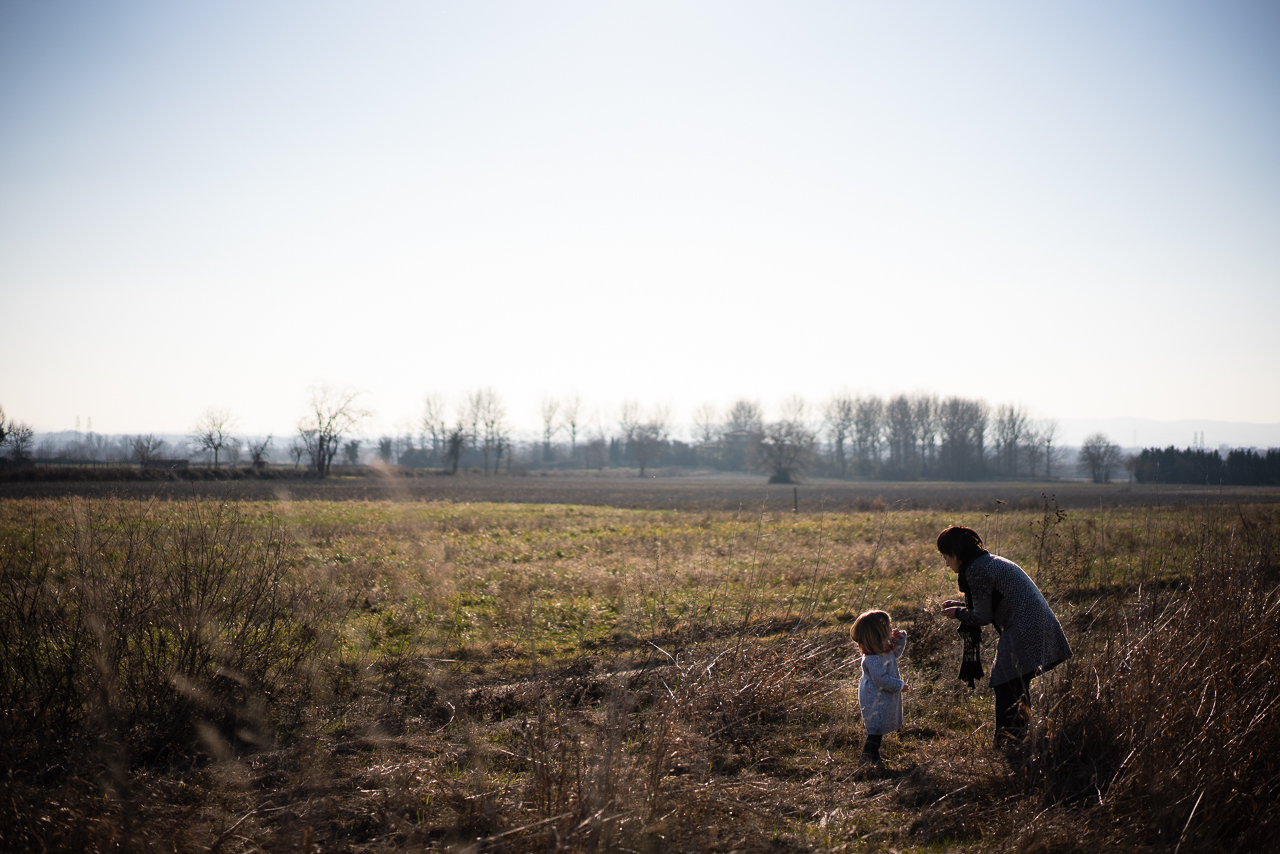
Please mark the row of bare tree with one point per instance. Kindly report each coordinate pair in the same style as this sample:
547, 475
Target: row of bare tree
904, 436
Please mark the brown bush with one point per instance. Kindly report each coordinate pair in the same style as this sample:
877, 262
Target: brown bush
142, 626
1169, 719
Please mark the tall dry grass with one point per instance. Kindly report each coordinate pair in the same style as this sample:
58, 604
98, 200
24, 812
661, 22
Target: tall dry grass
526, 681
143, 633
1168, 721
1161, 732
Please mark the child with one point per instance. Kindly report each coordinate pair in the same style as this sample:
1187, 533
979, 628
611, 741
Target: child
880, 691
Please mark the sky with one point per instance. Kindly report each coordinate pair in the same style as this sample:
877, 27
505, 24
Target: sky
1069, 206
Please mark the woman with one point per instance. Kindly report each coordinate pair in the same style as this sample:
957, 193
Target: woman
997, 591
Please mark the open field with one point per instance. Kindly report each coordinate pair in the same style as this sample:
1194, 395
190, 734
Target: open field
665, 490
456, 674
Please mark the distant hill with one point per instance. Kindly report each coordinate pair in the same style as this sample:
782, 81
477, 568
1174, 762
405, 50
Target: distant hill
1148, 433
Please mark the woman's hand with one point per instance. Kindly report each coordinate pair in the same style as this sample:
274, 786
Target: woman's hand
951, 608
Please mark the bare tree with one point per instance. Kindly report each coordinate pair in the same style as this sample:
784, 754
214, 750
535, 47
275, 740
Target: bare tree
5, 427
320, 451
298, 449
503, 445
597, 452
1052, 453
1011, 427
785, 446
963, 426
493, 419
550, 408
1099, 457
1033, 447
18, 436
386, 449
629, 420
434, 422
146, 448
470, 409
233, 451
839, 419
900, 433
745, 416
404, 443
258, 452
924, 410
1131, 463
649, 437
213, 432
868, 423
332, 415
743, 424
455, 443
570, 412
705, 419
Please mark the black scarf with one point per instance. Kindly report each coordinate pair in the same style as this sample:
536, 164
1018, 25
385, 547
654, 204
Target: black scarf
971, 664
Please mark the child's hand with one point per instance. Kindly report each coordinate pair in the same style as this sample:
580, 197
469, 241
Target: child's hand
898, 634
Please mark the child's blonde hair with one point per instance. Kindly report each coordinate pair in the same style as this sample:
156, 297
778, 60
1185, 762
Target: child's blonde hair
872, 631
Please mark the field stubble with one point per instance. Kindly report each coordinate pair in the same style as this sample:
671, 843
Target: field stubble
370, 676
669, 489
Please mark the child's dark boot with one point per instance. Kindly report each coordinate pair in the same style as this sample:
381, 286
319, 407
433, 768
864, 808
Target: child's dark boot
871, 750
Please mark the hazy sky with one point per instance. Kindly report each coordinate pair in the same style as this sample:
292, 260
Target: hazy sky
1074, 206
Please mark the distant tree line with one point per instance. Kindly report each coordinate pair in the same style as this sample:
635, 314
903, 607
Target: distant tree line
902, 437
1242, 467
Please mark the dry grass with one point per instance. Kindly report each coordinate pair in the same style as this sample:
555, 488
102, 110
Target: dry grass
569, 678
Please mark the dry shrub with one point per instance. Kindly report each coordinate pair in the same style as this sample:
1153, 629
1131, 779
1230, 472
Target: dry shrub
1168, 722
133, 633
650, 767
933, 636
579, 786
740, 694
136, 638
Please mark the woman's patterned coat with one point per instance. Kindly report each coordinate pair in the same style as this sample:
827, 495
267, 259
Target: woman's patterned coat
1031, 638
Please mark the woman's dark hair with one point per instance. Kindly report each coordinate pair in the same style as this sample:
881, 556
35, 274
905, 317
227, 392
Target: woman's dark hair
962, 542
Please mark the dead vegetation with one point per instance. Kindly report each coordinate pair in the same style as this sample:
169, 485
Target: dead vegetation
480, 678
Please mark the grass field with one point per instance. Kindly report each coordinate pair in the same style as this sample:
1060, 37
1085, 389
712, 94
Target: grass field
197, 673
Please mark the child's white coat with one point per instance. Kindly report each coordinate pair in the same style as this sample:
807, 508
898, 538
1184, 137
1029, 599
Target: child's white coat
880, 691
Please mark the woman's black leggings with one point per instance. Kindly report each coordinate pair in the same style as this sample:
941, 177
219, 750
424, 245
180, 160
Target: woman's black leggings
1013, 706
